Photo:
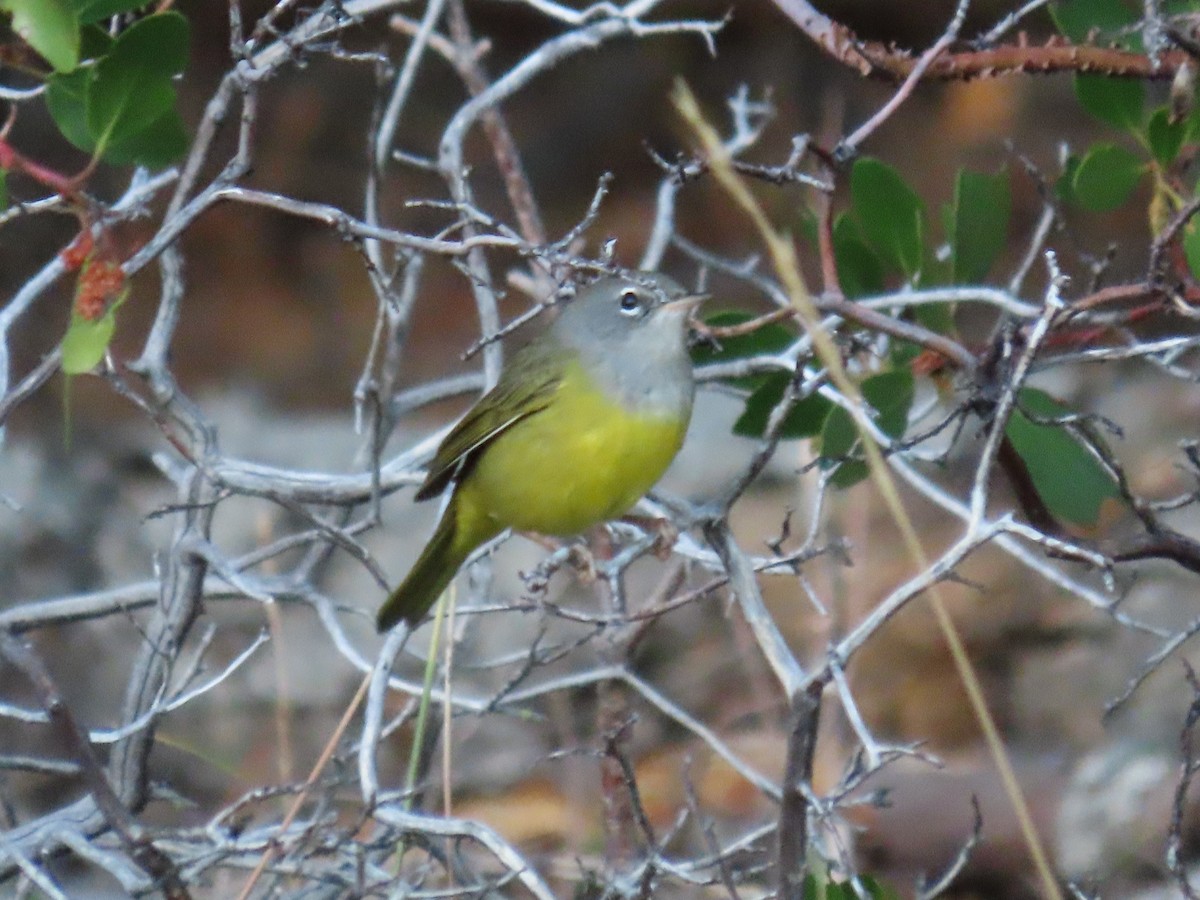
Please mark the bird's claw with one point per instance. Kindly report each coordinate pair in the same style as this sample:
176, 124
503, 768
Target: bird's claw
665, 532
583, 561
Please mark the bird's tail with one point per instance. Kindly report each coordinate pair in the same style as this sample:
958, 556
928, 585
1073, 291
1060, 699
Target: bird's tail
452, 542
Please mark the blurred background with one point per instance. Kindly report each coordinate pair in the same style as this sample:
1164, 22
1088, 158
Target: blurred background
278, 317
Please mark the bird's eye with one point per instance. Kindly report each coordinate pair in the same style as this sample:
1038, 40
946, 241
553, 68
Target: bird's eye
631, 303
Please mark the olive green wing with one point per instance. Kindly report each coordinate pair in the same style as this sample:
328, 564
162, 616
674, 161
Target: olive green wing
526, 386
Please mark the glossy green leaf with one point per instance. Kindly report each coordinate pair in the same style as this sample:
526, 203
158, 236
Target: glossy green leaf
1070, 481
126, 103
979, 223
3, 189
131, 86
890, 396
131, 99
1164, 136
86, 341
66, 98
90, 11
1117, 101
804, 419
49, 27
890, 214
1081, 20
860, 273
1106, 177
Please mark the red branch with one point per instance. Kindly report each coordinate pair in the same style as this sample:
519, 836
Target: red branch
10, 159
1056, 55
876, 60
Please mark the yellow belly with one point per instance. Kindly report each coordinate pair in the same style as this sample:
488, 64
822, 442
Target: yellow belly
580, 461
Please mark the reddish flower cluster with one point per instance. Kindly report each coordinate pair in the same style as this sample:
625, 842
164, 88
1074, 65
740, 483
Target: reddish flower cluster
77, 253
99, 282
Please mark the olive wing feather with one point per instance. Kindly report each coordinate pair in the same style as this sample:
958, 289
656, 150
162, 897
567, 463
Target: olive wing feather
526, 386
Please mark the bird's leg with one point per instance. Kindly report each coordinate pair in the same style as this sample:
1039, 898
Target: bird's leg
578, 556
664, 531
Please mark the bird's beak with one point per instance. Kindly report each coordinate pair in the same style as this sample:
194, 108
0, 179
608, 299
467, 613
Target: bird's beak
686, 304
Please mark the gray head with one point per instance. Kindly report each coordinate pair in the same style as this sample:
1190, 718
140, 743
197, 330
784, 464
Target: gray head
631, 332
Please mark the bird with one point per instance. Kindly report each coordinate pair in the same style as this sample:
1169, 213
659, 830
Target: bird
583, 420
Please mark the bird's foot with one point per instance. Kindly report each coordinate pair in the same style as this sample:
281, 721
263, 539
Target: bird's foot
583, 561
575, 554
664, 530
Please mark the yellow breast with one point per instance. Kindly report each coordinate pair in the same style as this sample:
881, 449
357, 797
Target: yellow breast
580, 461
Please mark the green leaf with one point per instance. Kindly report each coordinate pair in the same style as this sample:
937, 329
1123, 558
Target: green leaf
838, 436
767, 340
1192, 131
934, 272
890, 214
89, 11
3, 189
1066, 476
66, 98
876, 889
155, 45
157, 145
120, 104
804, 419
979, 228
1064, 187
901, 353
1164, 137
131, 87
849, 473
86, 340
937, 317
1117, 101
127, 101
94, 42
860, 272
1077, 19
49, 27
1191, 246
806, 224
1106, 177
890, 396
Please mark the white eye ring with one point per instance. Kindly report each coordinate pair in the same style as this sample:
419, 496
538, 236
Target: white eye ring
631, 303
